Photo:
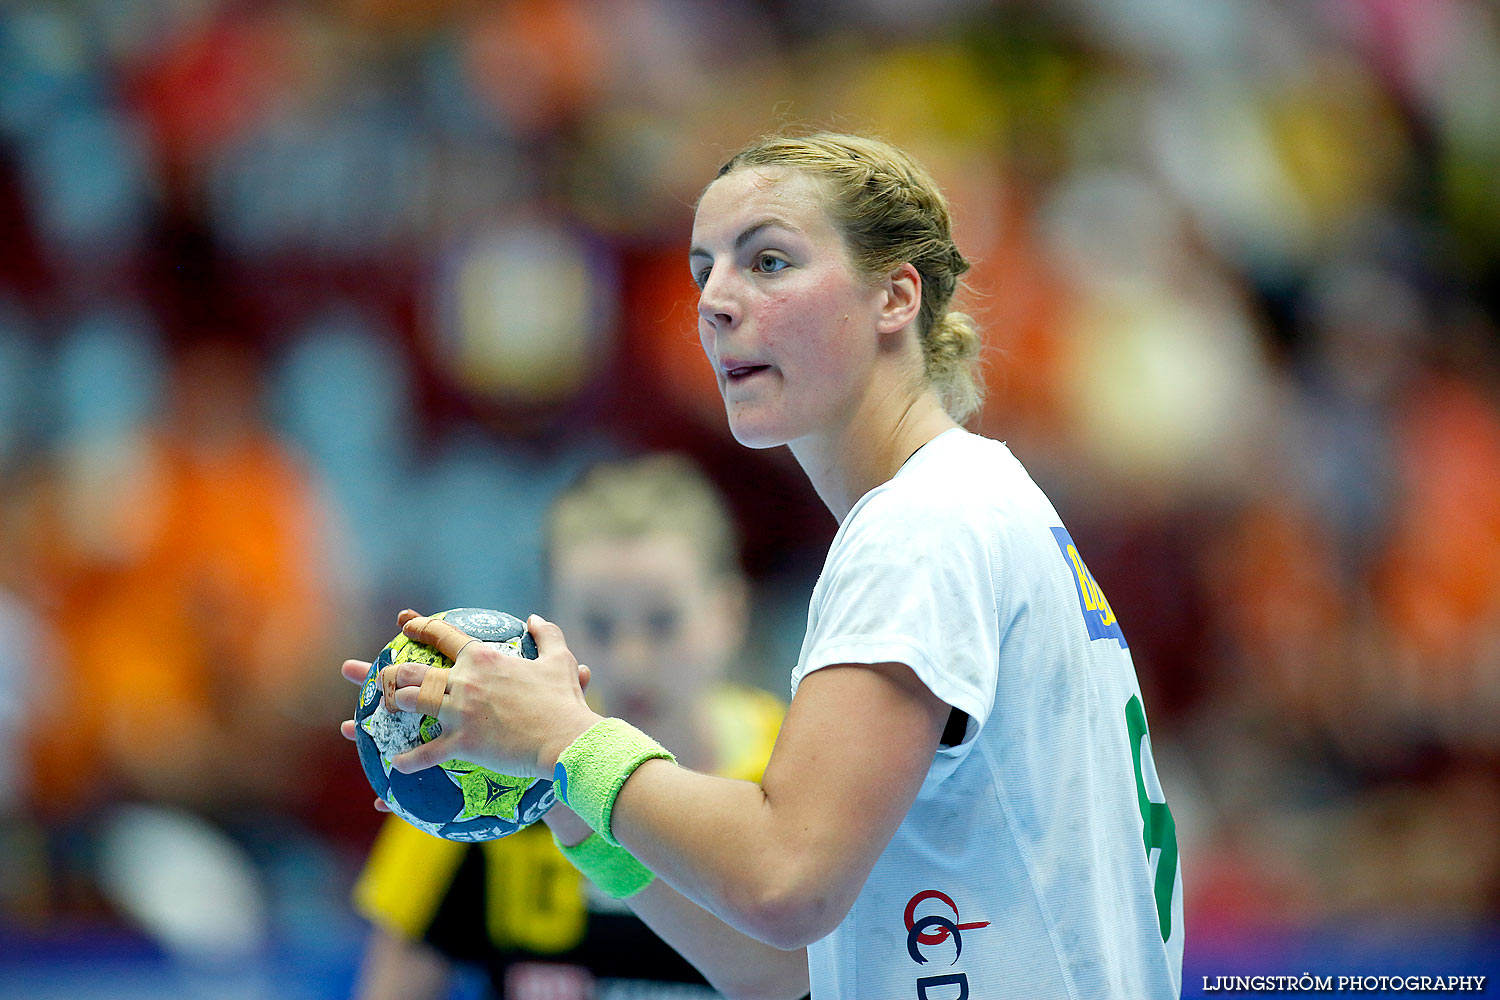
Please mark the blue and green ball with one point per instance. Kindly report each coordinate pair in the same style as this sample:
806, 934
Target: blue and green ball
455, 800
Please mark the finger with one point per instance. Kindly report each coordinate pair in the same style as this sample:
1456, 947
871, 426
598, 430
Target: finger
584, 676
382, 806
405, 617
549, 638
429, 699
347, 729
402, 675
426, 696
355, 671
446, 639
396, 675
424, 756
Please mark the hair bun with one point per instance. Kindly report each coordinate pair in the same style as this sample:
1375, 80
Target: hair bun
952, 357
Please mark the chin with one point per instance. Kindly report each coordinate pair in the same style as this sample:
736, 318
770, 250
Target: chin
758, 427
752, 434
760, 443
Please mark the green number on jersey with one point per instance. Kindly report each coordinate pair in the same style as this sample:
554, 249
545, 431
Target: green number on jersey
1160, 829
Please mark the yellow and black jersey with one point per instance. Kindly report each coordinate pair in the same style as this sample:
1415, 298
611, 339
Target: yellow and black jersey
516, 906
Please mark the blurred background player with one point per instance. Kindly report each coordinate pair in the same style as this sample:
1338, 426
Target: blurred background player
642, 556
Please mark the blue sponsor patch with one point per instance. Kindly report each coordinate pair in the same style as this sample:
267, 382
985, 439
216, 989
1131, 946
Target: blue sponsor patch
1097, 614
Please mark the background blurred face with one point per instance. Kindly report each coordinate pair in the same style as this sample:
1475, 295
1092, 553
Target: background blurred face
786, 323
657, 628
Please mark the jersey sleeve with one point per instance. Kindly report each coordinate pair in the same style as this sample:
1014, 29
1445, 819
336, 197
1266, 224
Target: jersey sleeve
911, 583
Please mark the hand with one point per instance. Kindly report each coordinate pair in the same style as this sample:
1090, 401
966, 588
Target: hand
502, 712
355, 672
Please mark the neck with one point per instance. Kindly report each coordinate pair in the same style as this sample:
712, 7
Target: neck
868, 449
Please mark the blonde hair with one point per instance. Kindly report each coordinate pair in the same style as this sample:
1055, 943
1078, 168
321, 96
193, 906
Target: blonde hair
891, 212
635, 498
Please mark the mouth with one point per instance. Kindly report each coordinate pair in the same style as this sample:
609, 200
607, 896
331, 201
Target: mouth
742, 373
635, 706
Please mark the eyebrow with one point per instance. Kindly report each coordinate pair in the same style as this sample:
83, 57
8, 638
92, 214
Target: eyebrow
748, 234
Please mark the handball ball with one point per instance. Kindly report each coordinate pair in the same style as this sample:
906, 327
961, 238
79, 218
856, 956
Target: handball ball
455, 799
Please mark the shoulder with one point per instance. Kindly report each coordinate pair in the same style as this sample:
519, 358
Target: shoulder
959, 484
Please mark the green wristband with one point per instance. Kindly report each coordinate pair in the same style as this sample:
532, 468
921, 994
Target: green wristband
613, 869
591, 771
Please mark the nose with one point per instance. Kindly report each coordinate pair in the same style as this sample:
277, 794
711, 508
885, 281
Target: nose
634, 661
717, 304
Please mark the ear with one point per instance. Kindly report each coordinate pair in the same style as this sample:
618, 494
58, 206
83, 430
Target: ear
901, 299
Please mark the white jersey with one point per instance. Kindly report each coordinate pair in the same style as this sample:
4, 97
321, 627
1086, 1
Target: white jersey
1039, 859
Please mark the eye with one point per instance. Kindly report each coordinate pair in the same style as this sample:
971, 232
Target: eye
662, 623
700, 277
599, 628
769, 263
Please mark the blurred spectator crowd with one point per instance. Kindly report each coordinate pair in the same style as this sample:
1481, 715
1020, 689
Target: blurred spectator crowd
308, 307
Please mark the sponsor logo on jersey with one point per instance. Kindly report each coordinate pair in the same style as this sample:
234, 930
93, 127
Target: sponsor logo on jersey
1097, 614
934, 935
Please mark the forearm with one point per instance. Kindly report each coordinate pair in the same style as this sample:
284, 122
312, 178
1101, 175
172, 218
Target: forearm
782, 860
734, 963
737, 965
761, 866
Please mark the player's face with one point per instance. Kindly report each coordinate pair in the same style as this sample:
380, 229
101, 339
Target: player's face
785, 321
656, 627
